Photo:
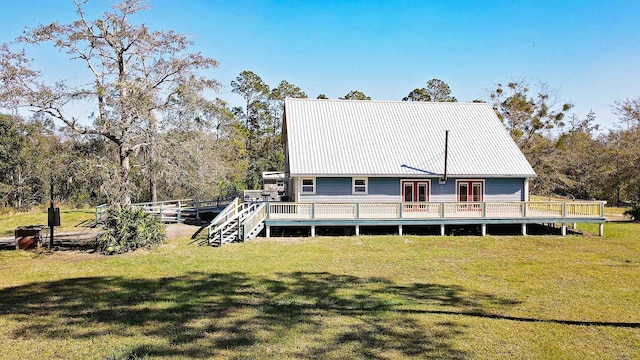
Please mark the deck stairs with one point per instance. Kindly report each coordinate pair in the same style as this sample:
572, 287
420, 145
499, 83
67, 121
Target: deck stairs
238, 222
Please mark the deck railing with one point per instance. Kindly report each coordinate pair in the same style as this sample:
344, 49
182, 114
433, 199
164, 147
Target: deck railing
432, 210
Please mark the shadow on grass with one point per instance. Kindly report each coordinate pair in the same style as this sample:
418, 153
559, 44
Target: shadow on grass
306, 315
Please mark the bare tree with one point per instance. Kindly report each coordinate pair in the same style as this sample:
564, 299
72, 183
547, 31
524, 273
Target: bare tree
628, 111
136, 73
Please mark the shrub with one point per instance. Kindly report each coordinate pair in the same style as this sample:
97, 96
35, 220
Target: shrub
128, 229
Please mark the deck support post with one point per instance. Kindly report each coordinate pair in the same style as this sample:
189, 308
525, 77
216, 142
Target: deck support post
483, 229
524, 229
563, 229
268, 232
575, 226
400, 230
602, 229
313, 230
441, 229
357, 230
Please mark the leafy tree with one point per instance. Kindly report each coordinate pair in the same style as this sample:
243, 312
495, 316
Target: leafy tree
579, 161
436, 90
527, 117
255, 115
254, 91
355, 95
623, 146
262, 115
530, 120
12, 173
135, 74
213, 157
274, 150
278, 94
322, 96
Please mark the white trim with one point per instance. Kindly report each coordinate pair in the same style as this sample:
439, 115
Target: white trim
418, 180
314, 185
484, 188
353, 186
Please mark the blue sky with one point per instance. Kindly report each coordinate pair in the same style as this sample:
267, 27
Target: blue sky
589, 51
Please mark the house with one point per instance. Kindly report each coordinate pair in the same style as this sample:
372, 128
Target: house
390, 151
352, 164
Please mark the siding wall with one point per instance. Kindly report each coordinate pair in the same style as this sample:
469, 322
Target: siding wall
385, 190
504, 190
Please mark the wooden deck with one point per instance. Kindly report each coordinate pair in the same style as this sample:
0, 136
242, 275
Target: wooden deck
434, 213
174, 211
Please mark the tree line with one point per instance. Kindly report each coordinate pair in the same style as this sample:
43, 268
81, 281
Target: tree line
154, 133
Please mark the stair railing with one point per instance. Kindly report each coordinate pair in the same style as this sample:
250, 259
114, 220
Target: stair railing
254, 220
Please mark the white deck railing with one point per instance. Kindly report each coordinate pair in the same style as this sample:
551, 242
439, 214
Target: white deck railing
433, 210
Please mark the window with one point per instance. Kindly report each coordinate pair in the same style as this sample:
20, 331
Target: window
308, 185
470, 191
359, 186
415, 190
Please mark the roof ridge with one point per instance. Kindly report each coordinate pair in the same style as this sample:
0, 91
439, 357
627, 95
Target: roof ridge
387, 101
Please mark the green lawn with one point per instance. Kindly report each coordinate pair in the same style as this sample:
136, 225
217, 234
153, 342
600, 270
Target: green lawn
381, 297
69, 219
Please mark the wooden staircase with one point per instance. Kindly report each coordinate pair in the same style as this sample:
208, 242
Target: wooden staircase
238, 222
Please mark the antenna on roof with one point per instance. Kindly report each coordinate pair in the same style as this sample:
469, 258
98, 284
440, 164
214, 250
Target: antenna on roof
446, 156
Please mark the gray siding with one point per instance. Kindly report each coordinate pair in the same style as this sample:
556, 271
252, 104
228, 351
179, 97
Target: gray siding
504, 190
338, 190
443, 192
384, 186
333, 186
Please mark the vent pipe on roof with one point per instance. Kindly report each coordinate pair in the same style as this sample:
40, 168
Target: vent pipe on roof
446, 155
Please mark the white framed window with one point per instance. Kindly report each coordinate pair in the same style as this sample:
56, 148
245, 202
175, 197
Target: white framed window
470, 190
415, 190
308, 185
360, 186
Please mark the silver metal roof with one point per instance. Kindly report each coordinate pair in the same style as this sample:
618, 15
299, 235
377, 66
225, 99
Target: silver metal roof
387, 138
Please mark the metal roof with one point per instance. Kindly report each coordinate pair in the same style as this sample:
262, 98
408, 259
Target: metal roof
386, 138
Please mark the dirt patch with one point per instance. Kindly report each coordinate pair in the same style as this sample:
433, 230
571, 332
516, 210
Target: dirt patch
181, 230
81, 239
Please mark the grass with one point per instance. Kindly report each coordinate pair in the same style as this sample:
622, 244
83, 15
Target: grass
381, 297
69, 219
